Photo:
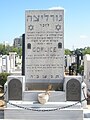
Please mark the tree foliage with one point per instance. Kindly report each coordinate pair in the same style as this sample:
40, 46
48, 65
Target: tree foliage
67, 52
84, 51
81, 69
3, 78
4, 50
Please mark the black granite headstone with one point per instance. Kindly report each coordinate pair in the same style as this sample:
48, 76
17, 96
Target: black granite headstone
73, 90
23, 54
15, 90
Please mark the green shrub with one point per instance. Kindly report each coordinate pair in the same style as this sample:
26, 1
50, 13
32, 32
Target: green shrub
3, 78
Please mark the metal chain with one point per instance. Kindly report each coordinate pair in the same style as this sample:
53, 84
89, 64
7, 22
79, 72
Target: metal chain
44, 110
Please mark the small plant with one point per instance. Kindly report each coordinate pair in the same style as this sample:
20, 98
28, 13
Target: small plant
48, 89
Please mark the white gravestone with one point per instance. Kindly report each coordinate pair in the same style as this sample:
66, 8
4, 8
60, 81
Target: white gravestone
44, 45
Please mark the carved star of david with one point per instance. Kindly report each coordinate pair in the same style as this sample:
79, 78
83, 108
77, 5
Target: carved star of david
30, 27
58, 27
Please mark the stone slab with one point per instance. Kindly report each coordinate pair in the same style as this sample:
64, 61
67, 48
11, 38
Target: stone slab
72, 87
15, 90
36, 104
34, 115
55, 96
87, 113
73, 90
44, 45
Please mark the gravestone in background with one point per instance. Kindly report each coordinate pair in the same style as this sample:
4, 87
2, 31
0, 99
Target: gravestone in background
73, 90
14, 90
44, 46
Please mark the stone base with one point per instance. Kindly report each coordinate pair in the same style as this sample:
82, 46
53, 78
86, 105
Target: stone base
87, 113
55, 96
42, 111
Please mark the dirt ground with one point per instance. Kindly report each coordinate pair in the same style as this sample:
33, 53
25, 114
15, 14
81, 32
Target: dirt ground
2, 103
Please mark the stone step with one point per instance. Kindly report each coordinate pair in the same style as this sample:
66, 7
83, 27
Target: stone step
55, 96
33, 119
1, 114
17, 113
86, 113
35, 104
36, 111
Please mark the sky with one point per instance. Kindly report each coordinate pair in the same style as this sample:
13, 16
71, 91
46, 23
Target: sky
76, 19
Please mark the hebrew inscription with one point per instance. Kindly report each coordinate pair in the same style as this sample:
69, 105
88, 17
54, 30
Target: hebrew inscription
44, 46
15, 90
73, 90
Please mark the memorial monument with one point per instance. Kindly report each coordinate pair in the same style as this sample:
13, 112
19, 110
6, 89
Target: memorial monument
44, 92
44, 48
